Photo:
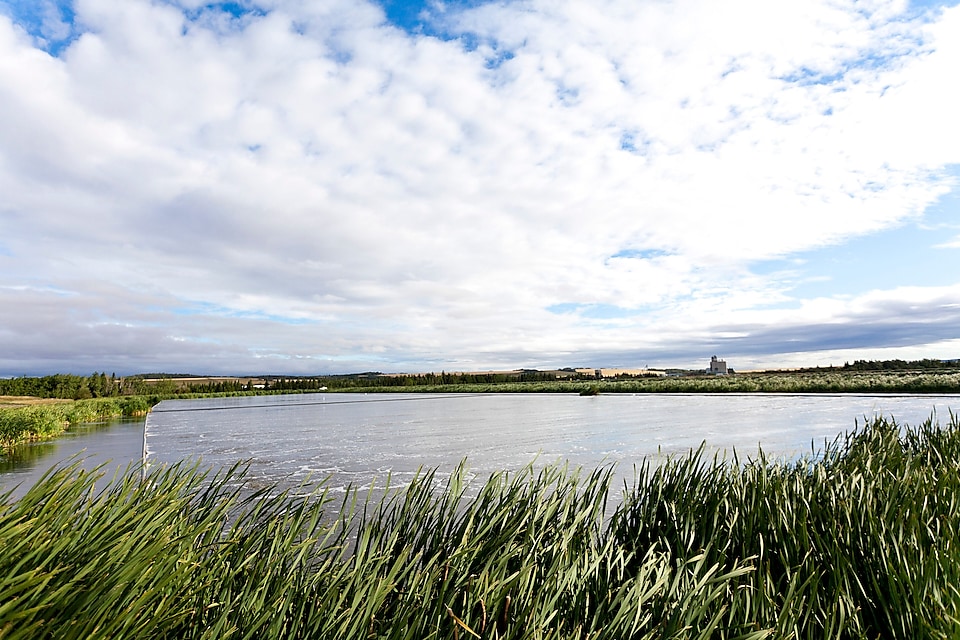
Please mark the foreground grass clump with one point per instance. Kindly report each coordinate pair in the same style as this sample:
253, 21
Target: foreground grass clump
860, 542
863, 542
46, 421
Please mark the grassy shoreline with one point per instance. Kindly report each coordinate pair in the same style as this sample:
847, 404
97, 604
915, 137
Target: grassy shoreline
47, 418
860, 542
813, 382
45, 421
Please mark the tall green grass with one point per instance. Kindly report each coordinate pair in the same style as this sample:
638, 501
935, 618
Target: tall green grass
800, 382
45, 421
860, 541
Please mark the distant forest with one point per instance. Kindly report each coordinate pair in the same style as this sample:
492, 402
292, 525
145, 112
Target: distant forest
901, 365
101, 385
63, 385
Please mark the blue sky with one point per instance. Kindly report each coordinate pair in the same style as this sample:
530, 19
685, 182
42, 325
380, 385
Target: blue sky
297, 187
897, 257
421, 17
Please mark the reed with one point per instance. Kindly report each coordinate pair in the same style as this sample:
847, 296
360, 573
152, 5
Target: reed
45, 421
859, 540
799, 382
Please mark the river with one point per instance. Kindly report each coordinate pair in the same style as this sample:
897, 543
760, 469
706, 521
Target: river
354, 439
114, 445
358, 439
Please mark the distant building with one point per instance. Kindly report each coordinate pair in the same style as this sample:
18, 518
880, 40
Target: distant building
620, 373
717, 367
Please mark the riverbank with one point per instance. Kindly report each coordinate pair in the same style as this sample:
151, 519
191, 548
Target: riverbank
859, 542
907, 382
24, 419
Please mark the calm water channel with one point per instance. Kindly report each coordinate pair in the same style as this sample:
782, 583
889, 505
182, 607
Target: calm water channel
115, 444
354, 439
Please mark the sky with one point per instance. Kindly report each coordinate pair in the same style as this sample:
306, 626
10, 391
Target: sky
307, 187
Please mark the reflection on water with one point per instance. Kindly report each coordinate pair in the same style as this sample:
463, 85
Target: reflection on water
117, 443
25, 454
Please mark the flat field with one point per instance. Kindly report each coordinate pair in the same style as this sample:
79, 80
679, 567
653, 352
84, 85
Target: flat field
25, 401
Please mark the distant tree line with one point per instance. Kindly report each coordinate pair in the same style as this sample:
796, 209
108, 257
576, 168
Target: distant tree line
63, 385
101, 385
211, 386
900, 365
377, 379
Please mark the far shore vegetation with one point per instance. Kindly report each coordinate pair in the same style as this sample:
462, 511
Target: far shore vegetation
22, 422
40, 408
861, 540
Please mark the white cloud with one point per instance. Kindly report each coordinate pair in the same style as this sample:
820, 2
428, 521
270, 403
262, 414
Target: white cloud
409, 197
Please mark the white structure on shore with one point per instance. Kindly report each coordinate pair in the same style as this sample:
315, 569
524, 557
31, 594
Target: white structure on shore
717, 367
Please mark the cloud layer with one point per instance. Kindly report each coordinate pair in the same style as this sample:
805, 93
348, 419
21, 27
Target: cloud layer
304, 187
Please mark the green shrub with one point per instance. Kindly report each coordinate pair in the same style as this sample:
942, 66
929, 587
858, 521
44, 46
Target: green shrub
31, 422
134, 406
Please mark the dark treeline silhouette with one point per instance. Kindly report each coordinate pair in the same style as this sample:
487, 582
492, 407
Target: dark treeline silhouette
100, 385
900, 365
379, 380
63, 385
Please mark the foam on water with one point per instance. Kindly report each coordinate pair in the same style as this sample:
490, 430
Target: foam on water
360, 440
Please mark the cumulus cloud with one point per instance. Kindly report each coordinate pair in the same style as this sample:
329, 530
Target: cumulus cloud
307, 187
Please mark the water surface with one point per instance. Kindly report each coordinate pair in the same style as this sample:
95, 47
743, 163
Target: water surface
115, 443
353, 439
